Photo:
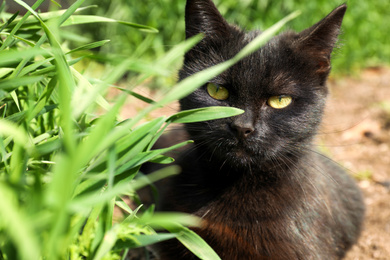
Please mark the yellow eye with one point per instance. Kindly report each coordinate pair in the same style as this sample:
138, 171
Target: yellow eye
217, 92
279, 102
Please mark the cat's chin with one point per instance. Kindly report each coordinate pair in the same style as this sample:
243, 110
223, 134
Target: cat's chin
240, 158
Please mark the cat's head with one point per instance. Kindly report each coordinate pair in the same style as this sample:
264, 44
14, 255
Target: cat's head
281, 87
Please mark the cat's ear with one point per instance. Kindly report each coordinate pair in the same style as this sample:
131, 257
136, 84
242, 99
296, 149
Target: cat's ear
202, 16
318, 41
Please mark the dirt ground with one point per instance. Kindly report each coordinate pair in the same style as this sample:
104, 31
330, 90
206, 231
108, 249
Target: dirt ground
356, 134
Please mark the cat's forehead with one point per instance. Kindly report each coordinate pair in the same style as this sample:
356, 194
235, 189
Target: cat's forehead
273, 63
278, 47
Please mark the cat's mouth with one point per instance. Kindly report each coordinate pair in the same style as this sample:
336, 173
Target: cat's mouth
233, 151
242, 152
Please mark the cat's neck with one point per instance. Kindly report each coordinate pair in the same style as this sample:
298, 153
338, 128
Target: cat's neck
278, 186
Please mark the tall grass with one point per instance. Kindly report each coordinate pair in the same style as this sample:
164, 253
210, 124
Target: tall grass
65, 165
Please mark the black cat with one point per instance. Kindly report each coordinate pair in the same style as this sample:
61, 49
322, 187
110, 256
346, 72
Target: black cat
256, 181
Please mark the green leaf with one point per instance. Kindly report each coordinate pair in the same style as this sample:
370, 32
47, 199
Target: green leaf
44, 137
90, 229
34, 66
162, 159
203, 114
11, 84
89, 46
91, 146
45, 16
178, 51
86, 94
65, 77
123, 205
86, 202
163, 173
168, 220
57, 4
32, 44
43, 100
10, 20
136, 95
9, 40
49, 146
17, 117
141, 240
84, 19
193, 242
144, 157
5, 71
130, 142
129, 146
108, 242
48, 69
16, 132
17, 225
16, 99
4, 155
11, 57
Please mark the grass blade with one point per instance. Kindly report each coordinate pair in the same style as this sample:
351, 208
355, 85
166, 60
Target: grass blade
203, 114
17, 225
193, 242
89, 46
9, 39
85, 19
12, 57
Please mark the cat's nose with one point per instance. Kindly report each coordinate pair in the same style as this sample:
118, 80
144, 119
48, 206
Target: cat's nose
243, 125
245, 131
242, 129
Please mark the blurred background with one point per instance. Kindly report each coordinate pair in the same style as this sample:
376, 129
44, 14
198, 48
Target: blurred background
365, 39
363, 43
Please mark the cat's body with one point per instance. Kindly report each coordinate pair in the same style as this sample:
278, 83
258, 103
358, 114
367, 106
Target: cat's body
301, 216
260, 187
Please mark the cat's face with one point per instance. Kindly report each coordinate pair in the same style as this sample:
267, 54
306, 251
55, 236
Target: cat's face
281, 87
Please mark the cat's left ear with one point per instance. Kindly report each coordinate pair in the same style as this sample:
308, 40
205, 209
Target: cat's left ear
318, 41
202, 16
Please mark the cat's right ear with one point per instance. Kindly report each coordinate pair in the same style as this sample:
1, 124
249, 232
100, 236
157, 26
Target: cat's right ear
202, 16
318, 41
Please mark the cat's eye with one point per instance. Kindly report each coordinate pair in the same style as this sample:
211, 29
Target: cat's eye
217, 92
279, 102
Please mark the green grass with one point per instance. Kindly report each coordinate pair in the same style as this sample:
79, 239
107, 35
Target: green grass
65, 164
363, 43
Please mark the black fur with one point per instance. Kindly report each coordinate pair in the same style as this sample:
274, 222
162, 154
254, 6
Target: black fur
261, 189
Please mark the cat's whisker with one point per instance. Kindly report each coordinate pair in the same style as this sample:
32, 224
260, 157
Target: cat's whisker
223, 164
216, 147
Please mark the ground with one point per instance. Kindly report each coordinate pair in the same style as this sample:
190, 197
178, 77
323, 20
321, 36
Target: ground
356, 134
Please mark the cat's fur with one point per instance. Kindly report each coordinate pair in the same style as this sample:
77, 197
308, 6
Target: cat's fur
256, 181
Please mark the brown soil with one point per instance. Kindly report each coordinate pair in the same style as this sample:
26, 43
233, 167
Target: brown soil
356, 134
